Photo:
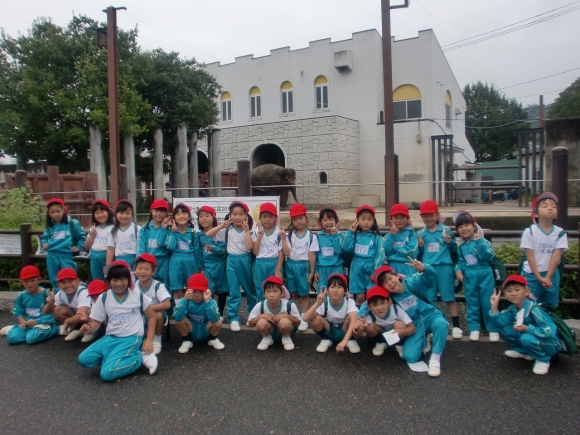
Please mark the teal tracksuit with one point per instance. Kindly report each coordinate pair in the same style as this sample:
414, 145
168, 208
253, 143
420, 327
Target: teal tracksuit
60, 242
478, 281
399, 247
213, 263
329, 258
239, 274
368, 256
30, 307
199, 314
184, 261
540, 341
437, 253
118, 356
152, 240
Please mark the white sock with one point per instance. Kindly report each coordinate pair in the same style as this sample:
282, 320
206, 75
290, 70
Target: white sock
436, 356
157, 338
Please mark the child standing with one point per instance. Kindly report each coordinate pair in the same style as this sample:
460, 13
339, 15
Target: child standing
473, 269
153, 236
364, 241
437, 243
300, 248
122, 350
401, 242
62, 237
196, 316
526, 327
103, 221
544, 244
276, 317
33, 325
330, 240
239, 238
123, 238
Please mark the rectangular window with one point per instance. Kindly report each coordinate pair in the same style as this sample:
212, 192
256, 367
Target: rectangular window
287, 102
255, 106
448, 116
322, 97
399, 110
410, 109
227, 110
413, 109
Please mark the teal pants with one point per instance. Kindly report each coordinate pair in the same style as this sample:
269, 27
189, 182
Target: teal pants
539, 348
56, 262
215, 272
445, 283
162, 272
479, 285
239, 274
263, 269
359, 275
433, 323
128, 258
181, 267
18, 335
323, 272
117, 356
402, 268
297, 272
550, 296
98, 259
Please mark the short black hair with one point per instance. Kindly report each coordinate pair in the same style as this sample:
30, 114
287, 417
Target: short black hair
142, 260
337, 280
273, 285
376, 298
118, 272
382, 278
464, 219
327, 213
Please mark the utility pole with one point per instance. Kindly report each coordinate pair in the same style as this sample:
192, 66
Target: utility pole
390, 182
541, 111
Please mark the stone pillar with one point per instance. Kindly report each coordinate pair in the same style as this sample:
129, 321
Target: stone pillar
98, 161
216, 171
180, 166
193, 166
129, 158
158, 185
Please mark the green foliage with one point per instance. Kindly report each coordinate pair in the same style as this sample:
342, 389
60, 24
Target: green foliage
20, 206
11, 269
509, 254
568, 102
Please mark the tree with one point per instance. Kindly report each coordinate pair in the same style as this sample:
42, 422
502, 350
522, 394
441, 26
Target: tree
491, 122
568, 102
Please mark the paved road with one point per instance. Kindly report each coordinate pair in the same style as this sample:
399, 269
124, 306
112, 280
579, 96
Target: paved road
244, 391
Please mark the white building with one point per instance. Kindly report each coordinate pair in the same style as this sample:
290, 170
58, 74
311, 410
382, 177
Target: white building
319, 110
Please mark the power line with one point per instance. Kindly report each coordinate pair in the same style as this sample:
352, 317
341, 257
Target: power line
541, 93
541, 78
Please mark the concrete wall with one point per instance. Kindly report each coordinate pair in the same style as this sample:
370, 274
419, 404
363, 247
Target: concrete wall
565, 133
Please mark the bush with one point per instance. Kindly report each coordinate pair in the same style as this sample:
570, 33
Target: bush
24, 207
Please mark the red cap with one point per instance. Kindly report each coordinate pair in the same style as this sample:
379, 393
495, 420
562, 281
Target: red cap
514, 278
159, 203
126, 201
428, 207
337, 275
273, 280
380, 270
297, 210
28, 272
400, 209
54, 201
243, 204
377, 291
198, 282
181, 204
97, 287
327, 207
363, 208
208, 209
268, 207
148, 258
100, 201
66, 273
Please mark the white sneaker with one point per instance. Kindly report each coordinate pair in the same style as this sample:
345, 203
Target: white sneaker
216, 344
324, 345
399, 350
266, 343
303, 326
185, 346
157, 347
353, 346
379, 349
222, 318
6, 329
457, 333
494, 337
62, 330
150, 361
73, 335
434, 368
89, 337
235, 326
287, 342
516, 354
541, 368
427, 347
474, 336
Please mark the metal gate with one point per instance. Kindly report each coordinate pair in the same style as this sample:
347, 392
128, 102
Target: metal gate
531, 163
442, 168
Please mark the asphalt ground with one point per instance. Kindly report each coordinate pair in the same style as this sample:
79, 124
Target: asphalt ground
245, 391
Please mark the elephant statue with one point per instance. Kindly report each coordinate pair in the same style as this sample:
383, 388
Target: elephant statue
270, 174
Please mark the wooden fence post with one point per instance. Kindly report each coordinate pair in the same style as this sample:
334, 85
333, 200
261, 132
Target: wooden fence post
25, 244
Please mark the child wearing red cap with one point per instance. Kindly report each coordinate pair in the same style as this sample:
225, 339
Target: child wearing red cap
96, 241
238, 235
196, 316
145, 267
333, 316
63, 237
95, 289
153, 236
437, 245
33, 324
526, 327
276, 318
401, 242
300, 248
330, 240
123, 238
544, 245
364, 241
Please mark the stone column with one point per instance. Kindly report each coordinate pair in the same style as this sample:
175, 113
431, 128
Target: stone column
129, 158
180, 166
193, 173
216, 171
98, 161
158, 185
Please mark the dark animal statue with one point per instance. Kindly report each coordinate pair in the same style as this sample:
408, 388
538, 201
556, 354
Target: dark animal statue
274, 175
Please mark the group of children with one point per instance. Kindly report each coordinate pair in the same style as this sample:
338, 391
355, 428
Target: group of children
140, 273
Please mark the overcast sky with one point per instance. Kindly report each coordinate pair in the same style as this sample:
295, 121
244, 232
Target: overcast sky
220, 30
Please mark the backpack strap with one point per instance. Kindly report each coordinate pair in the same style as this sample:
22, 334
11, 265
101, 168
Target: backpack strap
262, 307
372, 315
325, 307
141, 300
288, 306
226, 240
71, 227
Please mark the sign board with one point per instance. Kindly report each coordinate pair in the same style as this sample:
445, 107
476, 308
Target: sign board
10, 244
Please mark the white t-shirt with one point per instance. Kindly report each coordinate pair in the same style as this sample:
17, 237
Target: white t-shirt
395, 313
543, 245
236, 239
80, 298
125, 242
338, 316
156, 296
102, 238
257, 310
123, 318
271, 245
300, 246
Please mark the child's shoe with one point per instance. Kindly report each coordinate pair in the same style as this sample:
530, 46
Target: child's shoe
216, 344
156, 347
303, 326
62, 330
6, 329
73, 335
287, 342
541, 368
474, 336
434, 368
150, 361
324, 345
427, 347
353, 346
379, 349
494, 337
266, 343
457, 333
185, 346
516, 354
399, 350
89, 337
235, 326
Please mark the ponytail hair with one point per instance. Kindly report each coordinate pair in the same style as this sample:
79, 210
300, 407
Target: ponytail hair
184, 209
121, 206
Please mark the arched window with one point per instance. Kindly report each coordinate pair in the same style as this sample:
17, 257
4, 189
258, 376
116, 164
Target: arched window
287, 97
406, 103
255, 102
448, 110
321, 87
226, 106
322, 178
